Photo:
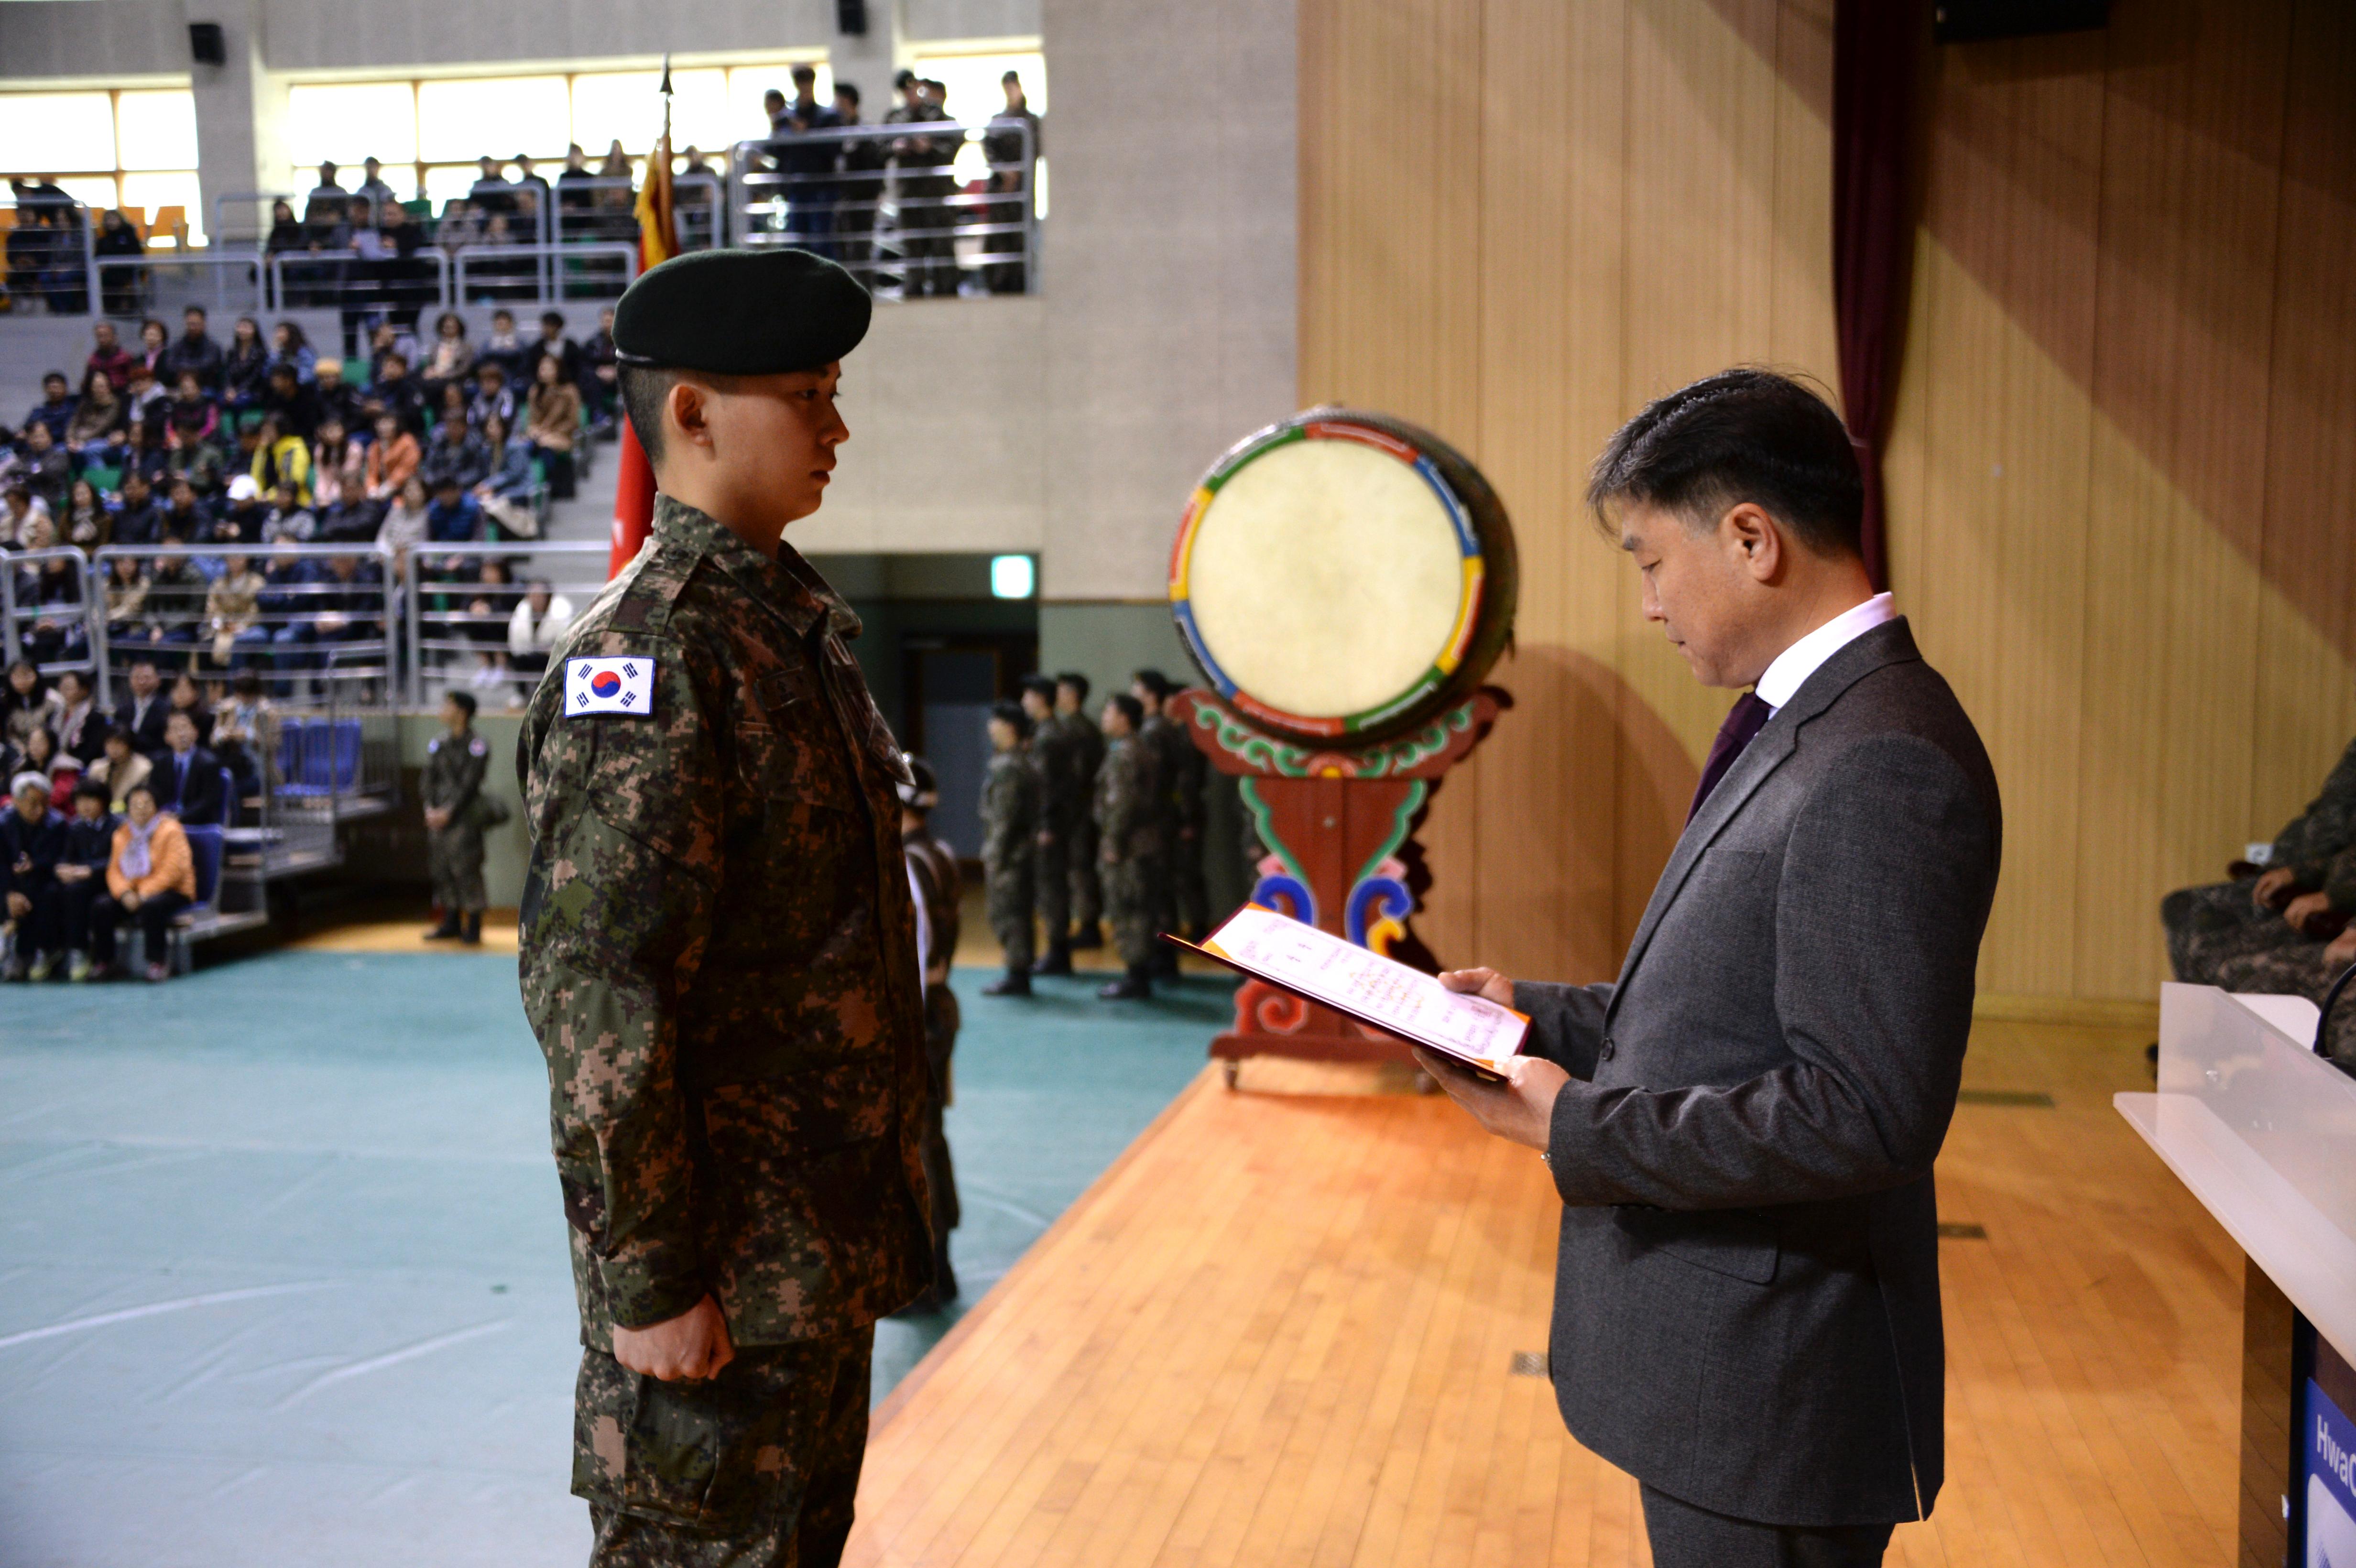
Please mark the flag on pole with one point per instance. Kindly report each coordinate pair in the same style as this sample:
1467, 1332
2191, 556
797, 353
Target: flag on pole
634, 491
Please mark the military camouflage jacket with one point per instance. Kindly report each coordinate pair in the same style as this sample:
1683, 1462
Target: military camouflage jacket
1129, 819
1010, 809
1063, 793
1087, 755
2325, 829
719, 952
1181, 771
454, 770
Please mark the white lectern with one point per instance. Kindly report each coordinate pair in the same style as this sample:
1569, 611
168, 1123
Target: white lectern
2262, 1130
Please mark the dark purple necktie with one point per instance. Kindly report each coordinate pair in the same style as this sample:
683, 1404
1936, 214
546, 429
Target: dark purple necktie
1744, 719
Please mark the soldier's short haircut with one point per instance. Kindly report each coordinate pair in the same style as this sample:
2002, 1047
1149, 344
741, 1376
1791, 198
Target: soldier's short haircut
643, 387
1040, 684
1154, 681
465, 700
848, 90
1744, 435
1011, 713
1076, 681
1130, 705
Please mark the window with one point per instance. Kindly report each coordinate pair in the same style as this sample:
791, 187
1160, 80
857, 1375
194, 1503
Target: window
429, 133
975, 93
126, 147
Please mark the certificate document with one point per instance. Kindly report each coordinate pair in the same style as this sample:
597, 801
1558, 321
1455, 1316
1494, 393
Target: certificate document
1321, 967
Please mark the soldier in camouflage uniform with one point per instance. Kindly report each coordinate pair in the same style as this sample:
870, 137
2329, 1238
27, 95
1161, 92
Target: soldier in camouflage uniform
1180, 890
456, 762
1010, 826
2273, 928
1087, 756
938, 887
1129, 816
719, 952
1055, 757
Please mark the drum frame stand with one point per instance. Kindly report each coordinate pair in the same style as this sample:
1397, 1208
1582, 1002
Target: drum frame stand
1339, 829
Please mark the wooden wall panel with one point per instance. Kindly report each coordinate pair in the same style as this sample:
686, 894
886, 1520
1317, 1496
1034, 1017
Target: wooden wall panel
2126, 428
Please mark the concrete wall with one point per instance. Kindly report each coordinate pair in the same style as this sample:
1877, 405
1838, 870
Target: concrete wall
100, 41
1172, 268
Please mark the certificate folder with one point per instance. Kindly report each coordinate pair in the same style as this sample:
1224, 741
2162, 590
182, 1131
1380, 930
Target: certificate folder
1363, 986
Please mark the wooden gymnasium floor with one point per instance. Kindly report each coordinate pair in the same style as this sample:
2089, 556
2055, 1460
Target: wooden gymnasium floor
1284, 1330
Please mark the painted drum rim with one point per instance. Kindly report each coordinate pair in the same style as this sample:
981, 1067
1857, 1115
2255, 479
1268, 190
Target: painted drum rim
1489, 574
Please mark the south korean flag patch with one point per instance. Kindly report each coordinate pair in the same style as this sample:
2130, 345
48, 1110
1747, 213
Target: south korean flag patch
625, 684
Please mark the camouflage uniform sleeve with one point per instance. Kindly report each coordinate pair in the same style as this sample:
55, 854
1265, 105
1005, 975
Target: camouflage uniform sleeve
1120, 800
2326, 827
2339, 882
616, 915
466, 781
1003, 825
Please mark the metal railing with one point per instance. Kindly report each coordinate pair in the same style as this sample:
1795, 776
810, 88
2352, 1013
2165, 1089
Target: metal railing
54, 633
58, 264
897, 216
520, 273
350, 281
309, 628
461, 629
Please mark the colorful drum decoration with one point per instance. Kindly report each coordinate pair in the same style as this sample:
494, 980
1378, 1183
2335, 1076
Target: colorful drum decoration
1341, 577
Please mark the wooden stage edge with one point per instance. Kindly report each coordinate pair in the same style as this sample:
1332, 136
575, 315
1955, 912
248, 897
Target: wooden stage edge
1298, 1328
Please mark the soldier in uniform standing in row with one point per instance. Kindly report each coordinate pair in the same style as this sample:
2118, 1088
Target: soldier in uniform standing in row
455, 814
1129, 819
938, 887
1063, 801
719, 952
1088, 757
1010, 849
1182, 900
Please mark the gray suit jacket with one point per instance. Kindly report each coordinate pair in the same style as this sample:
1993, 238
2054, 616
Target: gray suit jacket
1747, 1291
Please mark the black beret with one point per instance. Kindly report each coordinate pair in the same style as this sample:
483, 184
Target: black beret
740, 312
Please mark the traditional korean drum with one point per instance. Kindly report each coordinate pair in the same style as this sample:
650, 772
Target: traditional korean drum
1342, 577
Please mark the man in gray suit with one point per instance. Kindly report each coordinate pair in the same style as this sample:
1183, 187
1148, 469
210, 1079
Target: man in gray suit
1742, 1126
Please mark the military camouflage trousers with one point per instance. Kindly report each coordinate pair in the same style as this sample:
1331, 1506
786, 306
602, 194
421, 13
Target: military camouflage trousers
1053, 876
1008, 898
2218, 928
1087, 896
455, 855
757, 1467
1134, 894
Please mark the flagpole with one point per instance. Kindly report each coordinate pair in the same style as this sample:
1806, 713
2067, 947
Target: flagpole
634, 491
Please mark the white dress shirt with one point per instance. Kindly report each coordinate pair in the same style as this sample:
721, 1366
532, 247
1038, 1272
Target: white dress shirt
1792, 666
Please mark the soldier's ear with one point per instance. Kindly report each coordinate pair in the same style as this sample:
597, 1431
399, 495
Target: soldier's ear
687, 407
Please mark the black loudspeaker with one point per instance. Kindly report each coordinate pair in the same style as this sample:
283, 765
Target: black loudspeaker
850, 18
1972, 21
206, 44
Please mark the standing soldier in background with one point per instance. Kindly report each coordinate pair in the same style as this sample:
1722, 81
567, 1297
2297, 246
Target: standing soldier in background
1010, 826
1129, 825
1054, 758
1088, 757
936, 885
456, 762
719, 952
1183, 906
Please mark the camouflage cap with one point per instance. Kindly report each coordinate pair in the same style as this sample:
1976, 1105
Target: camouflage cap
735, 312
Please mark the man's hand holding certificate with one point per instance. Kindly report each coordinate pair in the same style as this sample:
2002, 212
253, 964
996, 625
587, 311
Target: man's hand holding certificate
1462, 1025
1321, 967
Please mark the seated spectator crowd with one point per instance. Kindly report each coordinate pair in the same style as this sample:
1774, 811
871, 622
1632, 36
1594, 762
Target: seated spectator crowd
95, 836
228, 454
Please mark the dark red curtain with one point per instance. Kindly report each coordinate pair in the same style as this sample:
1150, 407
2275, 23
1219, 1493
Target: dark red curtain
1877, 46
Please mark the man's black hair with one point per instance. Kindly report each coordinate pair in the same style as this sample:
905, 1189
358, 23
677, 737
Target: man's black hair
1011, 713
805, 72
643, 387
196, 310
1010, 76
448, 482
848, 90
1130, 705
465, 700
1154, 681
95, 790
902, 78
1076, 680
1041, 685
1744, 435
56, 375
547, 317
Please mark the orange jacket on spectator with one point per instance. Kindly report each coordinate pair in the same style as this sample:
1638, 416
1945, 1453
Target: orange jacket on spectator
173, 869
389, 465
